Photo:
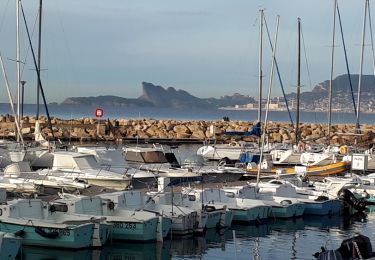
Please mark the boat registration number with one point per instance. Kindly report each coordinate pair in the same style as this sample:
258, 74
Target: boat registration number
62, 232
125, 225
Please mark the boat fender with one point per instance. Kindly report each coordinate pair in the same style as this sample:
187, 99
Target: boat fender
20, 233
322, 198
343, 149
111, 205
41, 232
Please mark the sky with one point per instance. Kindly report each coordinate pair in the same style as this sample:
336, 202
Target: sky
209, 48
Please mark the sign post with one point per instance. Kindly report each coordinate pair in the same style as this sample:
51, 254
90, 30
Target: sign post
98, 114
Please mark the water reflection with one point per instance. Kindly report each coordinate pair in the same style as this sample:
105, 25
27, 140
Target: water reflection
294, 239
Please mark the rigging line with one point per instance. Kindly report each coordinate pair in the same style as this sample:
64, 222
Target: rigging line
28, 48
372, 39
278, 73
305, 56
10, 98
38, 73
307, 64
346, 60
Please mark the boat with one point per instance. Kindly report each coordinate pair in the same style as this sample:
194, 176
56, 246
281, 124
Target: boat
126, 224
133, 201
223, 172
183, 220
10, 245
314, 205
112, 159
40, 225
85, 168
244, 210
279, 207
310, 171
232, 150
18, 177
205, 219
163, 164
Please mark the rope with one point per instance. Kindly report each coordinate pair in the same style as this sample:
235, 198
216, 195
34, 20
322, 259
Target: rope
346, 60
278, 74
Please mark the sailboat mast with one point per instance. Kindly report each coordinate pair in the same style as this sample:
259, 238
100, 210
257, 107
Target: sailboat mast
298, 79
260, 72
39, 57
18, 68
331, 73
361, 66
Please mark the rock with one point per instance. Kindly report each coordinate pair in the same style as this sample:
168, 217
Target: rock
181, 129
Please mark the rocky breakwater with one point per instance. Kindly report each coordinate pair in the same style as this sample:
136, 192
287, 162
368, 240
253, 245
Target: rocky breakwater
89, 129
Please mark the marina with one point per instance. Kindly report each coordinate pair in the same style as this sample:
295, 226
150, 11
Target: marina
169, 175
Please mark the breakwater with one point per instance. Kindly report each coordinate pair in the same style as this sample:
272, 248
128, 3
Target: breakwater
92, 129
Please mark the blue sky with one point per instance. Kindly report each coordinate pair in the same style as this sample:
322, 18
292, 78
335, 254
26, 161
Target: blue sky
208, 48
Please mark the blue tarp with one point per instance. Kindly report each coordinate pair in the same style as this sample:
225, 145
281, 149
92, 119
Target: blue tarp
257, 130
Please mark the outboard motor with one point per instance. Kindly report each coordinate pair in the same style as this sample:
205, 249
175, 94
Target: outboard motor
358, 247
359, 204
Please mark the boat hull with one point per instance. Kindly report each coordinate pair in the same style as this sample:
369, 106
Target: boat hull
135, 231
73, 237
289, 211
251, 215
329, 207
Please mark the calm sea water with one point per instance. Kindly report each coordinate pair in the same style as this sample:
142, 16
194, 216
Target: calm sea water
68, 112
279, 239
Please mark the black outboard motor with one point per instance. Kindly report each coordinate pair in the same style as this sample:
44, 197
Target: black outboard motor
358, 247
359, 204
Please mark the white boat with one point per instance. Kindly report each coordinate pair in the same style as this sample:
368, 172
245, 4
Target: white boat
314, 205
112, 159
222, 172
232, 150
84, 167
244, 210
18, 177
155, 160
10, 244
177, 200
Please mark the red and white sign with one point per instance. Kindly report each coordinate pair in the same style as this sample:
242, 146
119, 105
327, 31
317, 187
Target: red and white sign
99, 112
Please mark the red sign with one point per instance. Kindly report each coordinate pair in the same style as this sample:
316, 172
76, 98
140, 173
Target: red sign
99, 112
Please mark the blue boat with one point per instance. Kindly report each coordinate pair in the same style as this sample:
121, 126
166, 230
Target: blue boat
31, 220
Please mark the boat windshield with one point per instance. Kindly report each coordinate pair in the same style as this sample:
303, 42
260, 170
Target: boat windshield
146, 157
86, 162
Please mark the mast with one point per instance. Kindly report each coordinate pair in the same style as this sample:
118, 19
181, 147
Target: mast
268, 98
39, 57
331, 73
298, 79
361, 67
18, 69
260, 72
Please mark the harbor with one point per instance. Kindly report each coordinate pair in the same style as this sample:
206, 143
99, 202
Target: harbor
90, 170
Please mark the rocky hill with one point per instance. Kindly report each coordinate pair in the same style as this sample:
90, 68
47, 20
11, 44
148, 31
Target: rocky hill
157, 96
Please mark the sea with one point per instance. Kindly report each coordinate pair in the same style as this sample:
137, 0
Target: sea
118, 112
277, 239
